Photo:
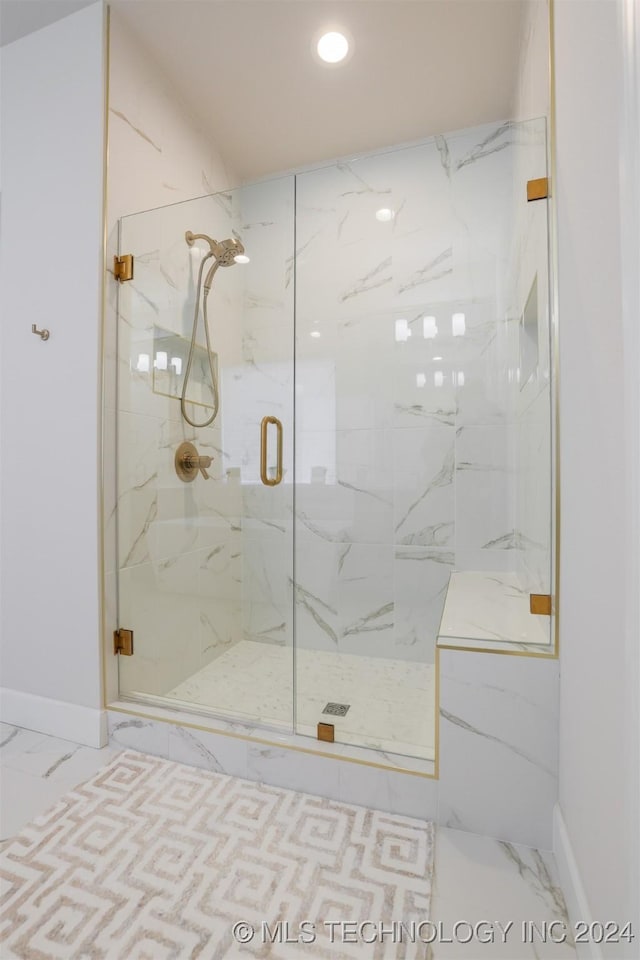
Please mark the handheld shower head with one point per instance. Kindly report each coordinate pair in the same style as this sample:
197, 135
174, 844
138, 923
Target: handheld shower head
224, 251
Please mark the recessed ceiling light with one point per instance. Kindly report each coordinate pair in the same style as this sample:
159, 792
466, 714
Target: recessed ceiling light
384, 215
241, 258
332, 47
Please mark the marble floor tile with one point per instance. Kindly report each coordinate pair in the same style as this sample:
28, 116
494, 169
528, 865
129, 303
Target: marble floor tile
15, 740
36, 770
476, 878
23, 797
58, 760
480, 879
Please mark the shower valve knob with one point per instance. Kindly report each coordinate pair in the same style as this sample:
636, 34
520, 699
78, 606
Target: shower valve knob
188, 461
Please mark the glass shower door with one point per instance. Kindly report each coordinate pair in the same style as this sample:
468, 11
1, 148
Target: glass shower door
422, 423
205, 564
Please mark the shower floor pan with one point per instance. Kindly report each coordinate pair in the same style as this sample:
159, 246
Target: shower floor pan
392, 702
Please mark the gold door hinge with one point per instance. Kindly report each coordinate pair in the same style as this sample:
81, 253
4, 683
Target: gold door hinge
123, 642
540, 603
326, 732
538, 189
123, 267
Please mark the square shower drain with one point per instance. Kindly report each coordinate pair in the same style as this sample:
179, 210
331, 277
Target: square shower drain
337, 709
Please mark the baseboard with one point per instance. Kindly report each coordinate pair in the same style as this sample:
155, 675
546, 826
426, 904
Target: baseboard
572, 886
69, 721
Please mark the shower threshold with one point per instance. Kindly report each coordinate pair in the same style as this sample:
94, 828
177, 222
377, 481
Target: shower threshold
391, 716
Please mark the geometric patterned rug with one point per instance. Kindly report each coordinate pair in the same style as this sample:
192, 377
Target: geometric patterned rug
152, 860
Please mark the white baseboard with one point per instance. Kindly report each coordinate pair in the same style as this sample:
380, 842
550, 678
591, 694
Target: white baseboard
572, 886
69, 721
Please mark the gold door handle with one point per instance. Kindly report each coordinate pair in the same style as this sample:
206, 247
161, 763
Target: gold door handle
264, 426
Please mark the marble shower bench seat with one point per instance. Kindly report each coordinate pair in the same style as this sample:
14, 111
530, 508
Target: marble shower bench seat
490, 611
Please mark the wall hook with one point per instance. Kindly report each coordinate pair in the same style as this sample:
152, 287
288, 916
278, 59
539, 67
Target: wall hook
43, 334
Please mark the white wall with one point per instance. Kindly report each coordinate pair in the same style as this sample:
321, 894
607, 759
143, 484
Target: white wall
630, 205
597, 735
532, 93
50, 261
158, 153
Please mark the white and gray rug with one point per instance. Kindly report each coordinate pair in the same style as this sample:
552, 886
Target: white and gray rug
151, 860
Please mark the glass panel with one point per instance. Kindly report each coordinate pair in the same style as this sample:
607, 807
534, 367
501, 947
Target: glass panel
503, 421
419, 458
422, 445
206, 567
169, 367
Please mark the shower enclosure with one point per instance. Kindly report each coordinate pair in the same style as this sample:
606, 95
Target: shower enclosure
382, 443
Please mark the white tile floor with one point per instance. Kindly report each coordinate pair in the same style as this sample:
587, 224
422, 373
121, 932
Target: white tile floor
476, 879
387, 697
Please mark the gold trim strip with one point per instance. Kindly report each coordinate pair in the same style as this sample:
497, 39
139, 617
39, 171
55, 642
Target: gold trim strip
436, 735
555, 320
103, 632
506, 653
275, 743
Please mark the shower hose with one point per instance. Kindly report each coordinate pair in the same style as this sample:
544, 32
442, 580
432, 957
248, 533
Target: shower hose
214, 382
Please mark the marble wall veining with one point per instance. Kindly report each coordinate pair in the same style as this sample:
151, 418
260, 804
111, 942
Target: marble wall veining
499, 745
405, 344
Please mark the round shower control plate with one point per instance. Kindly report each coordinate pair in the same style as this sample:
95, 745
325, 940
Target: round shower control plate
186, 461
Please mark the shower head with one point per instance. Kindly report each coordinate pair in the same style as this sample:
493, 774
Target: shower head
224, 251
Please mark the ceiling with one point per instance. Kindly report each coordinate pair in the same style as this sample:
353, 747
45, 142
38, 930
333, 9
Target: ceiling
246, 71
20, 17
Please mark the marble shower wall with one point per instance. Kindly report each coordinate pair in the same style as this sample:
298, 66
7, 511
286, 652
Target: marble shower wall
179, 548
263, 386
404, 464
410, 428
499, 745
185, 583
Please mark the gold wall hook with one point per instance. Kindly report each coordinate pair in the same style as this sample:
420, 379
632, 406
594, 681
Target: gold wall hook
43, 334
